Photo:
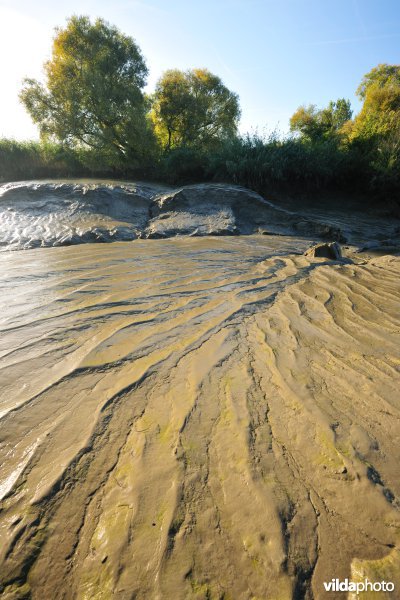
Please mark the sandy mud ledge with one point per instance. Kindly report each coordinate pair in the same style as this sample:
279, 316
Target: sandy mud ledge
197, 418
43, 214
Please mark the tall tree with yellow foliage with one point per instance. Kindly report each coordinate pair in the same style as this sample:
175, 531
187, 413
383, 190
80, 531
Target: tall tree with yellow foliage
93, 91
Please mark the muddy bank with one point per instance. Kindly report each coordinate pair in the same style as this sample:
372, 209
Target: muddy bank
197, 418
42, 214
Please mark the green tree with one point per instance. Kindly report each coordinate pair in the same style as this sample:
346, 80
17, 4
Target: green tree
380, 113
314, 124
93, 92
336, 115
380, 76
376, 128
193, 108
306, 122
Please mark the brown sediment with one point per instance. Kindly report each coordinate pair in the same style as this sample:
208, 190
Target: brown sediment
197, 418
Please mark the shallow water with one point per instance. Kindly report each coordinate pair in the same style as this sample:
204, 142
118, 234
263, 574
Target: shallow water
209, 417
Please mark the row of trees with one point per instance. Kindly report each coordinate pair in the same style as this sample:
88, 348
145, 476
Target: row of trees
93, 97
93, 106
375, 131
379, 117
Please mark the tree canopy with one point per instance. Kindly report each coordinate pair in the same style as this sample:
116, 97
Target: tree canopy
374, 133
92, 102
93, 91
380, 76
380, 113
193, 108
317, 124
377, 125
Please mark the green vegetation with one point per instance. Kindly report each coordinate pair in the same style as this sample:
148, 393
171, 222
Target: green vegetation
93, 94
193, 109
316, 125
29, 160
95, 120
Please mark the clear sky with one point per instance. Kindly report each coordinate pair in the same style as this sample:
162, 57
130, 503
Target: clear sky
276, 54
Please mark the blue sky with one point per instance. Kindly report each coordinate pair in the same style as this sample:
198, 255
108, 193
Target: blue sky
275, 54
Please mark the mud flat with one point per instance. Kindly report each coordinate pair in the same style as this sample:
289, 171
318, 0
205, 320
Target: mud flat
197, 418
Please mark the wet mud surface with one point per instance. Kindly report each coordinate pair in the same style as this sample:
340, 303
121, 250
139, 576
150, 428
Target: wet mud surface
197, 418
